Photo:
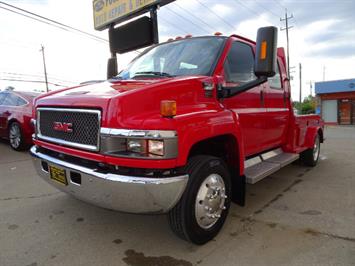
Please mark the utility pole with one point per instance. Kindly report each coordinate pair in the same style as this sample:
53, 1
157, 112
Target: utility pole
300, 65
44, 67
323, 73
288, 48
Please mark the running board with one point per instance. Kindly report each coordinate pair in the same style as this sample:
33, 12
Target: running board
266, 164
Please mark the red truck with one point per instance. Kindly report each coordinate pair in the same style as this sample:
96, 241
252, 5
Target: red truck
180, 131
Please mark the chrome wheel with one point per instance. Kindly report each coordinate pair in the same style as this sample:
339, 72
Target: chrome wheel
15, 136
316, 149
210, 201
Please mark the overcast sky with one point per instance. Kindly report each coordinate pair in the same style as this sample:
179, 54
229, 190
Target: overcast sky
322, 37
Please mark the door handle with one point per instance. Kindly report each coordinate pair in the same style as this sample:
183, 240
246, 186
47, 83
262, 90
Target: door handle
262, 100
285, 98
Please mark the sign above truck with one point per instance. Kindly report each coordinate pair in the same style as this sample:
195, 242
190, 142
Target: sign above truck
107, 12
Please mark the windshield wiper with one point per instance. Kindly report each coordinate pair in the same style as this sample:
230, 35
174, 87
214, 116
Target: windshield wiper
153, 73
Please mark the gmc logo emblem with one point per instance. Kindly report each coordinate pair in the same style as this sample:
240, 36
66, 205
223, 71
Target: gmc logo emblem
63, 127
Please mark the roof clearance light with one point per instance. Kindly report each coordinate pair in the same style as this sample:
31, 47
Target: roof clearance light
188, 36
263, 50
170, 39
178, 38
168, 108
218, 33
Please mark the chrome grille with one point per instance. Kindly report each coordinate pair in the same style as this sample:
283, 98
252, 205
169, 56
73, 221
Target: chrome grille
85, 125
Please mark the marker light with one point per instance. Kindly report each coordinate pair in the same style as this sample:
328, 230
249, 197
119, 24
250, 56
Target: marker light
263, 50
218, 33
188, 36
168, 108
178, 38
170, 39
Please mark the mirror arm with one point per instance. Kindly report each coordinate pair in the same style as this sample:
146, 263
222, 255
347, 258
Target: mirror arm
226, 92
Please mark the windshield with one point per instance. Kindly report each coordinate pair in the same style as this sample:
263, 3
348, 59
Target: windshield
187, 57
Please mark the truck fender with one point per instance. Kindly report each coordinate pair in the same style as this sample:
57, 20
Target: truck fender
311, 134
193, 135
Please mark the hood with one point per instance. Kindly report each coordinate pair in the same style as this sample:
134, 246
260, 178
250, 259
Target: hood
128, 103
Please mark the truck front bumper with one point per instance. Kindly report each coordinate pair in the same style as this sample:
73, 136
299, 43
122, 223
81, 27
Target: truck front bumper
117, 192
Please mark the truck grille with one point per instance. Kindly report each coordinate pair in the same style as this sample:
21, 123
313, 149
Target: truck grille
72, 127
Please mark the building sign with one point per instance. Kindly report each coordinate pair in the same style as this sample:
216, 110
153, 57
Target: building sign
107, 12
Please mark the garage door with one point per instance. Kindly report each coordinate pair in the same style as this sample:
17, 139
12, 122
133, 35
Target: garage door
330, 111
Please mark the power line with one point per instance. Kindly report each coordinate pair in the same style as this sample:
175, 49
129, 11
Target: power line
281, 5
19, 75
246, 7
53, 22
267, 9
185, 18
32, 81
13, 11
196, 17
211, 11
172, 24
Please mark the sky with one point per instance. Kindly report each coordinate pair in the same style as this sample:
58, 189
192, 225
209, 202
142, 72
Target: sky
322, 37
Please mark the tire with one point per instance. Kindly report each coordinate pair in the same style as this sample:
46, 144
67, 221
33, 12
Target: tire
310, 157
204, 205
16, 138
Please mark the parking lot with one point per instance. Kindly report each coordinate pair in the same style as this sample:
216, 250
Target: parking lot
298, 216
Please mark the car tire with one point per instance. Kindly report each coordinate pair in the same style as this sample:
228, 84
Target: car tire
204, 205
16, 137
310, 157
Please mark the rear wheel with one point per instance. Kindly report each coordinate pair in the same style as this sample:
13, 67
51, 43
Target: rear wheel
310, 157
15, 136
203, 208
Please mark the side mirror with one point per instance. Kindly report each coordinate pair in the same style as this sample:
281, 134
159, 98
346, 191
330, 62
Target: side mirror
112, 67
266, 52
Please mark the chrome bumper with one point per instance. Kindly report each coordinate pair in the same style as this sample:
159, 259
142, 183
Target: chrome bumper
116, 192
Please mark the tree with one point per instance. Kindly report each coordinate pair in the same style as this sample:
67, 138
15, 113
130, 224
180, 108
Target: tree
308, 106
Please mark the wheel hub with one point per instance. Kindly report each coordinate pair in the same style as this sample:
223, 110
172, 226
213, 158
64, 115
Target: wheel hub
316, 149
210, 201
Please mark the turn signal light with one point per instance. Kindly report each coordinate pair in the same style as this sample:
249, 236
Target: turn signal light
263, 50
168, 108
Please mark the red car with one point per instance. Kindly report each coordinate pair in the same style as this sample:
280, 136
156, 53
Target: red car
15, 118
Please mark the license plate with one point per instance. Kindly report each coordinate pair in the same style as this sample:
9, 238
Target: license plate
58, 175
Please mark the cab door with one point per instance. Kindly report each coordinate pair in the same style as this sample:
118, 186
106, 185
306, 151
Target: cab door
277, 116
248, 106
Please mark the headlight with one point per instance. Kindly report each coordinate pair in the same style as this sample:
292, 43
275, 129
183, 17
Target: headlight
137, 145
156, 147
154, 144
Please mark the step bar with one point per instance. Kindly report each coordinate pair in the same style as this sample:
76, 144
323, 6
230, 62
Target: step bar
261, 166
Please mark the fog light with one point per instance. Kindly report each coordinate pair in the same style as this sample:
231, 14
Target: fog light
156, 147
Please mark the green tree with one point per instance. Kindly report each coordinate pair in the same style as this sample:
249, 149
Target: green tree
308, 106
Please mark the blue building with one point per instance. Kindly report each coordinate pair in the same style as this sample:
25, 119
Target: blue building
337, 101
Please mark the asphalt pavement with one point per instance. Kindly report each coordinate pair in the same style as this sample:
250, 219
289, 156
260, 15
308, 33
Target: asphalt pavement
297, 216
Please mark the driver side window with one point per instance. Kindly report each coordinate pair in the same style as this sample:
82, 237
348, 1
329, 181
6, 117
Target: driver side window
239, 65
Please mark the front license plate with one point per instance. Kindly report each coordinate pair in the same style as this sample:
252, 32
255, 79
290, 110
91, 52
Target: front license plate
58, 175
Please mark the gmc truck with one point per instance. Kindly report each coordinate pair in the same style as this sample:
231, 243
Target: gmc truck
180, 131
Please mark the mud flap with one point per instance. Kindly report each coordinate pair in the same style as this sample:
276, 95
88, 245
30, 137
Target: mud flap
238, 189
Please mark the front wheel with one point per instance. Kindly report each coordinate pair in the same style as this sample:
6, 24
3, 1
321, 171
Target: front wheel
310, 157
203, 208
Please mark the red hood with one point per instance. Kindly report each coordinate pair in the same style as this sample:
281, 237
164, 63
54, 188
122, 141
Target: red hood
129, 103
